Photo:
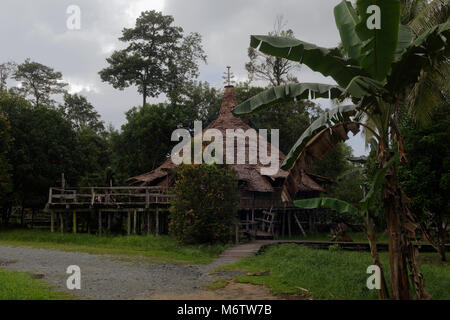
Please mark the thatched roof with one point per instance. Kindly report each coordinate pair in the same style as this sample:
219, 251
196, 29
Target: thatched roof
249, 174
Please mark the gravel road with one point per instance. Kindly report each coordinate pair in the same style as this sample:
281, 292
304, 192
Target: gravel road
104, 277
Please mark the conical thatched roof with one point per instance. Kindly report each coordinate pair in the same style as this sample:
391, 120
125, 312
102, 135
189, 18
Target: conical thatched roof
249, 174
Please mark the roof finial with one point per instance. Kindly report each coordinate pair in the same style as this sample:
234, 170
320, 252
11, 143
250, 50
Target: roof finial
228, 76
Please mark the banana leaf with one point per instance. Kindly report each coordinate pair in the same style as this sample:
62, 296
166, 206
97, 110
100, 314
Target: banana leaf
326, 61
380, 45
323, 134
346, 21
339, 115
284, 93
364, 86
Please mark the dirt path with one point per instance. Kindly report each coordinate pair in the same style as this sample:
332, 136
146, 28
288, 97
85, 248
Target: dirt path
104, 277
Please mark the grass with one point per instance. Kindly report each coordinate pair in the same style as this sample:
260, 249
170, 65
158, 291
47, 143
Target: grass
157, 249
22, 286
218, 284
330, 274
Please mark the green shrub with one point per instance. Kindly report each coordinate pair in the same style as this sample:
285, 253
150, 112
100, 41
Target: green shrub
204, 207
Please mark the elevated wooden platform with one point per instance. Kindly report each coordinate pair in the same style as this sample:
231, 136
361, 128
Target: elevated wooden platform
107, 198
140, 205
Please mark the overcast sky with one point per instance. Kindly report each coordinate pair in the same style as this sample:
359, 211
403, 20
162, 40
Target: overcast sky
36, 29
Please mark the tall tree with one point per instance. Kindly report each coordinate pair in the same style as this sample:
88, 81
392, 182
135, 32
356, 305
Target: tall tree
426, 175
81, 113
93, 155
274, 70
39, 81
381, 66
195, 101
158, 57
43, 147
136, 151
5, 165
6, 70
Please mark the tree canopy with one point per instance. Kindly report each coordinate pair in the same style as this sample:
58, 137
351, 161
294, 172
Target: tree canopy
158, 59
39, 82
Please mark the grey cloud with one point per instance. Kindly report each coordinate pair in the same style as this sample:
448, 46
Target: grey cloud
37, 29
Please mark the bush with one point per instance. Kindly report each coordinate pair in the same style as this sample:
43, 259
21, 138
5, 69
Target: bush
204, 207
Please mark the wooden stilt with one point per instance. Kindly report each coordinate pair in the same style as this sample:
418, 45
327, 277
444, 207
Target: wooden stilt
289, 224
52, 221
310, 218
129, 223
100, 223
247, 218
157, 221
74, 222
32, 218
61, 222
134, 221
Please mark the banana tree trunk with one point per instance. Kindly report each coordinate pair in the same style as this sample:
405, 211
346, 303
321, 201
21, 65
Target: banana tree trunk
370, 231
394, 215
401, 230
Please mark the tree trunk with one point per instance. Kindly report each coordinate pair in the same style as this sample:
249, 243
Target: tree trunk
369, 225
401, 231
144, 96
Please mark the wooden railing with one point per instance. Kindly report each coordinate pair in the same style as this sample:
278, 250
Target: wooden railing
109, 196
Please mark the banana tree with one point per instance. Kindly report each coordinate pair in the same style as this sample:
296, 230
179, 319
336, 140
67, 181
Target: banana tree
378, 69
364, 210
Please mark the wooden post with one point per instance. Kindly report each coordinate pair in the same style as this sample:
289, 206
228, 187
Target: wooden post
289, 223
129, 223
52, 221
74, 222
61, 222
253, 207
247, 218
134, 221
100, 223
148, 223
32, 218
157, 221
237, 232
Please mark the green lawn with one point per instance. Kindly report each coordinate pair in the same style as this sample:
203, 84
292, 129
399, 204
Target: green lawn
330, 274
21, 286
158, 249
